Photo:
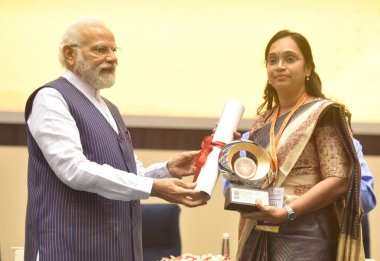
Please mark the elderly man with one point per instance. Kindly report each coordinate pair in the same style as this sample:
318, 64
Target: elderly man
84, 181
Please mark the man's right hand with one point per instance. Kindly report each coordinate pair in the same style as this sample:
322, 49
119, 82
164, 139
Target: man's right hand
176, 191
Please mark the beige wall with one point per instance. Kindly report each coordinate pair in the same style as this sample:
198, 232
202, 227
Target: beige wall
13, 192
190, 47
201, 228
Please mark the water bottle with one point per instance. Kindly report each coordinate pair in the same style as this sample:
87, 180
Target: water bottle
226, 246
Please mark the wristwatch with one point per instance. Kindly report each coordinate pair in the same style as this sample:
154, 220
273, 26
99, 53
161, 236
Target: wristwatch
291, 214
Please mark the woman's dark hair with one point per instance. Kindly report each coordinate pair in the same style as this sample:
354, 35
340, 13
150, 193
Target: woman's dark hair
313, 85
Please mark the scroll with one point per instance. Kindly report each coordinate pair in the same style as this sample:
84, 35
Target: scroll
212, 146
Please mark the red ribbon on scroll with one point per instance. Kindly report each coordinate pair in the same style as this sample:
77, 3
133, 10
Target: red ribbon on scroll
206, 148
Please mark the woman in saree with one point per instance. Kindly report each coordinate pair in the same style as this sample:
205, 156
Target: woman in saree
313, 157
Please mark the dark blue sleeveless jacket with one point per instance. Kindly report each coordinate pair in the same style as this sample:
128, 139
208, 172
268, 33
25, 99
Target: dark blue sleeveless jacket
71, 225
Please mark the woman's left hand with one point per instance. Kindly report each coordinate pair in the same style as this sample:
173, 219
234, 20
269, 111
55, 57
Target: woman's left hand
266, 213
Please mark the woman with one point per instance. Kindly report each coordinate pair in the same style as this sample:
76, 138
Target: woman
310, 143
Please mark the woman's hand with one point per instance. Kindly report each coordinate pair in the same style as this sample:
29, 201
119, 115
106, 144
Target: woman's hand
319, 196
237, 135
267, 213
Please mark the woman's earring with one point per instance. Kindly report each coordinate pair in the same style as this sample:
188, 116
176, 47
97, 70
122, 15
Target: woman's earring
307, 78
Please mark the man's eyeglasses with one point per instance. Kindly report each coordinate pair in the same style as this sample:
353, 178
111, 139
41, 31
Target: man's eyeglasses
287, 59
101, 50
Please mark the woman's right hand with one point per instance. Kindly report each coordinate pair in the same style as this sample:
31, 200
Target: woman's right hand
237, 135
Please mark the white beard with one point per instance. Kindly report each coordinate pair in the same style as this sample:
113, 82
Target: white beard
92, 75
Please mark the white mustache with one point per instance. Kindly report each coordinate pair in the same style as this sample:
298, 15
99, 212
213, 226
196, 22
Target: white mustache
107, 66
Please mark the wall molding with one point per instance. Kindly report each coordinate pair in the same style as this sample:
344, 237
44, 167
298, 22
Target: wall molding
197, 123
172, 133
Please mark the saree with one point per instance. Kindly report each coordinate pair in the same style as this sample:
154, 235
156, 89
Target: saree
294, 236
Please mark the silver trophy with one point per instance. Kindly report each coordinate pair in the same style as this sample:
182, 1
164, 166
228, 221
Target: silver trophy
247, 166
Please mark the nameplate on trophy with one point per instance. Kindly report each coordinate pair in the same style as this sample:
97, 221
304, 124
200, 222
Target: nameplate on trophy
241, 198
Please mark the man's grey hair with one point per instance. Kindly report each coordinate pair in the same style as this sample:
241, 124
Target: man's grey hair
73, 36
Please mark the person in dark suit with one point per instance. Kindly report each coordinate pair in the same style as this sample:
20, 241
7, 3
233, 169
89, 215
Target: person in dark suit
84, 180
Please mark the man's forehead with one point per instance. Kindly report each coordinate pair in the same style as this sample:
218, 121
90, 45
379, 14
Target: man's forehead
96, 33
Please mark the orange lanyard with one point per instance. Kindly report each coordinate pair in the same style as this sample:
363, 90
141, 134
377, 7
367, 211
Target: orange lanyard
274, 140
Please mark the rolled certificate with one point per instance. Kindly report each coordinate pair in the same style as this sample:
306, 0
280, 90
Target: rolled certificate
228, 123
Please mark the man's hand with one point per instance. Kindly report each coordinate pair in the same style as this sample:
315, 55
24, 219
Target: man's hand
182, 164
177, 191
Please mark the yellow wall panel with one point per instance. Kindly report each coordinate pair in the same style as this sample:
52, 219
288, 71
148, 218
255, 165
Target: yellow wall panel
196, 54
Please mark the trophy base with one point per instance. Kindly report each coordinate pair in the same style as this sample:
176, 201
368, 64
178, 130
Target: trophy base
243, 198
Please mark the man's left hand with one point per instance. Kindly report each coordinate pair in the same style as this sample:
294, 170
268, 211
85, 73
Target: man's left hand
182, 164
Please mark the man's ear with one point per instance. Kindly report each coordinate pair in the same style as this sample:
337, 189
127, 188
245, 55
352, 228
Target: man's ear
69, 54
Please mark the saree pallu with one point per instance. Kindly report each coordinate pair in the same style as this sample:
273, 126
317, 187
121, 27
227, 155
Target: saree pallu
346, 209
